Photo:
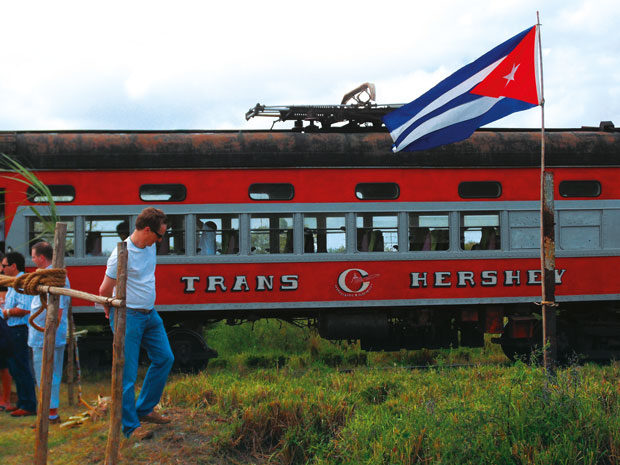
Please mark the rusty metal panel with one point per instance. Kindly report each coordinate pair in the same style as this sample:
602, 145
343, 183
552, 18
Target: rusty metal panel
7, 143
228, 149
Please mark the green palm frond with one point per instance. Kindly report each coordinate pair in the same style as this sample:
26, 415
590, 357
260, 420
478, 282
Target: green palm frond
28, 178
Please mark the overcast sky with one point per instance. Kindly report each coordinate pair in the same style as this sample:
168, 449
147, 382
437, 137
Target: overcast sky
201, 64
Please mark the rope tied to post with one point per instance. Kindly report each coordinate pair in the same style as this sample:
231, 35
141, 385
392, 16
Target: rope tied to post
28, 283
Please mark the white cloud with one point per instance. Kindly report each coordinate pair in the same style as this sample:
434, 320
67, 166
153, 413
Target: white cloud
195, 64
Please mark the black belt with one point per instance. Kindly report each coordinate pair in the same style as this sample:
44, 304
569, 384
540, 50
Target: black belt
141, 310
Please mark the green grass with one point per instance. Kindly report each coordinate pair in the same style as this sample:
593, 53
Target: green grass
322, 403
272, 344
484, 414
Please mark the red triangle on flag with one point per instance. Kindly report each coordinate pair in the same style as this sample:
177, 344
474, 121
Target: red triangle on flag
515, 77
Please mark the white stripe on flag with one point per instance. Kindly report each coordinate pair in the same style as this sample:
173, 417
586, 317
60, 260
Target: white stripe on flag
537, 67
454, 92
452, 116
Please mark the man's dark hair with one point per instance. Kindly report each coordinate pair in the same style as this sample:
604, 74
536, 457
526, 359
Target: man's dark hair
45, 249
151, 217
17, 259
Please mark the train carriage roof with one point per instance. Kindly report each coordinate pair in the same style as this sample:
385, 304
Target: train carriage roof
61, 150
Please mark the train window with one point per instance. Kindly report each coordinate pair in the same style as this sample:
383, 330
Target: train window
163, 192
324, 233
580, 188
270, 234
44, 231
377, 232
173, 242
480, 231
60, 193
429, 231
102, 233
272, 191
480, 189
217, 234
377, 191
580, 229
524, 229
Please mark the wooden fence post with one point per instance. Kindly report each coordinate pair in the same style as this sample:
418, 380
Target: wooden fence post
118, 359
49, 344
71, 358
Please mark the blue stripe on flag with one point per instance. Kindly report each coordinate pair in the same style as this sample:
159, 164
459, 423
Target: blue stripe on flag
464, 129
403, 121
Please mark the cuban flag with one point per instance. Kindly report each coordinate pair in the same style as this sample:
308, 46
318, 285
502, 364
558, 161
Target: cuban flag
503, 81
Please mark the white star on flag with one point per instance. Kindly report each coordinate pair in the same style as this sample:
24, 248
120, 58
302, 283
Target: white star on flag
473, 96
511, 76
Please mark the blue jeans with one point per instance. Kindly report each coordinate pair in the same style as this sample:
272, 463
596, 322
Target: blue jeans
37, 359
20, 368
146, 330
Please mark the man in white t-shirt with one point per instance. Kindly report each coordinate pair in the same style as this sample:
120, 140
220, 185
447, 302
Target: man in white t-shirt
144, 325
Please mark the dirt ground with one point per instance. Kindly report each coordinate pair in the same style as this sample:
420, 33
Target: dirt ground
187, 439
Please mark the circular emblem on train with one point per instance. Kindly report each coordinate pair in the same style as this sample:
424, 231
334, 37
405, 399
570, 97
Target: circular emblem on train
354, 282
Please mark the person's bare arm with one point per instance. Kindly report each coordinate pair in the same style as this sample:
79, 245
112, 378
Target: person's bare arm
15, 311
106, 289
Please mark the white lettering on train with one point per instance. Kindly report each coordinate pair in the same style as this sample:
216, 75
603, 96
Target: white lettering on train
533, 276
214, 282
189, 283
487, 278
512, 277
240, 283
418, 280
264, 282
289, 283
464, 278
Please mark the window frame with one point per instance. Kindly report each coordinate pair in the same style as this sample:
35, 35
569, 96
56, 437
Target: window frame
178, 196
358, 188
322, 237
481, 184
275, 185
497, 230
431, 229
570, 182
32, 196
276, 234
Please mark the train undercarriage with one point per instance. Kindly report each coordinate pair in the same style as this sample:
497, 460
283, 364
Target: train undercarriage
589, 331
585, 331
190, 349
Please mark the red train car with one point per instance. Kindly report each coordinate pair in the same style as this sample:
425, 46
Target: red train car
408, 250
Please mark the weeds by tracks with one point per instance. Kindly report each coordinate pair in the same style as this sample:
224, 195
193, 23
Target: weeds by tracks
321, 403
305, 408
484, 414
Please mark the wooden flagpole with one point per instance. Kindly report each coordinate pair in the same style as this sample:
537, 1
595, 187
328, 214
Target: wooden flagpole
547, 238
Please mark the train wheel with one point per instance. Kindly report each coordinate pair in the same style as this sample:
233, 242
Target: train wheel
190, 350
527, 350
530, 350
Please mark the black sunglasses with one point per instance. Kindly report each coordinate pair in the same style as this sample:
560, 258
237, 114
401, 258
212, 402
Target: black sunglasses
159, 236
